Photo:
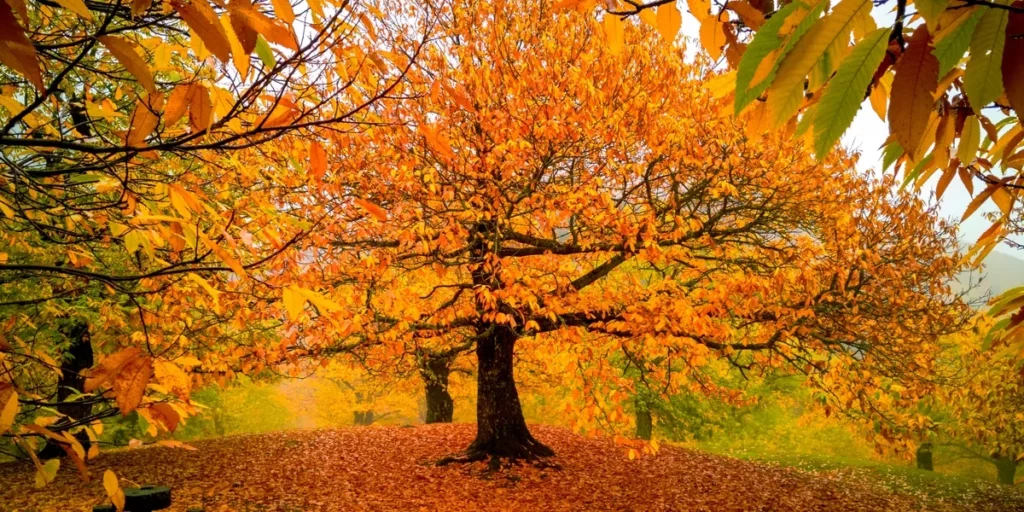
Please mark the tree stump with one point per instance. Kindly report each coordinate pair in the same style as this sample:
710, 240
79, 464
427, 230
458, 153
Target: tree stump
144, 499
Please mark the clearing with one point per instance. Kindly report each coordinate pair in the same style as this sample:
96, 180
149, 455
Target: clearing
390, 468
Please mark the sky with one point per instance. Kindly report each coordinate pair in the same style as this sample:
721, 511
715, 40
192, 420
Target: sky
867, 134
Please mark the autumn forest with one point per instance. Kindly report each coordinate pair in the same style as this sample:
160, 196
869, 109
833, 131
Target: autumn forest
511, 254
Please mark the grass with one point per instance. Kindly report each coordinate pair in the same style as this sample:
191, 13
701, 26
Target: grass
957, 483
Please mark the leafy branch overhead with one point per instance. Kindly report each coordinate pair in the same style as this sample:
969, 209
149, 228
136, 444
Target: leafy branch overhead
945, 75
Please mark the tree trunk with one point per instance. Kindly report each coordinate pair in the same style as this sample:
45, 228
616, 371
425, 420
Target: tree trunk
500, 427
435, 371
1007, 470
924, 457
76, 359
644, 422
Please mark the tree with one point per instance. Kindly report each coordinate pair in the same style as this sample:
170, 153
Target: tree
984, 407
571, 188
946, 77
155, 156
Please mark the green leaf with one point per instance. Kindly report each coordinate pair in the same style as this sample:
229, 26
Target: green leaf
930, 10
1005, 299
265, 53
845, 92
912, 175
983, 79
951, 48
785, 93
47, 472
891, 153
767, 40
990, 337
970, 139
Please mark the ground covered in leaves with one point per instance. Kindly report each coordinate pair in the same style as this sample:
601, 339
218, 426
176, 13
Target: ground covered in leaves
391, 468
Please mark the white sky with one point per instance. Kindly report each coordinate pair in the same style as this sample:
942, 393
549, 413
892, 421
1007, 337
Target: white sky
867, 134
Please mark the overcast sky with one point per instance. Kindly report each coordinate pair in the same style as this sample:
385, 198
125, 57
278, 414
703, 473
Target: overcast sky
868, 133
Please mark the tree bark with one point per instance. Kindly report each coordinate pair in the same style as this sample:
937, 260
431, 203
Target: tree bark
500, 426
76, 359
924, 457
644, 421
435, 371
1007, 469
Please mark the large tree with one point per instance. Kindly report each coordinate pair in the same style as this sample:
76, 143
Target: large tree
155, 156
551, 189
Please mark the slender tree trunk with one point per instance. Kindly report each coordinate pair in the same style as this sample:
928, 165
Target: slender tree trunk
1007, 470
924, 457
76, 359
435, 371
501, 428
644, 421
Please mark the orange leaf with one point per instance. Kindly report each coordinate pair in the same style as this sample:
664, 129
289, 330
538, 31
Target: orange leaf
200, 108
980, 199
911, 103
166, 415
199, 16
125, 53
317, 160
247, 37
130, 383
274, 31
751, 17
713, 36
372, 209
144, 119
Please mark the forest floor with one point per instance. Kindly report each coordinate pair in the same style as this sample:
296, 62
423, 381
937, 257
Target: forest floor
391, 468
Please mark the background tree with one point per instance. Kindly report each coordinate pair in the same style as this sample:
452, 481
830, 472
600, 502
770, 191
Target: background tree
944, 74
154, 160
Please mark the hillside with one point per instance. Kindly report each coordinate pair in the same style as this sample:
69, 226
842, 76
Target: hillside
1001, 271
390, 468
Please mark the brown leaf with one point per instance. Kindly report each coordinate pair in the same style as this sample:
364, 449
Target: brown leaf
16, 50
911, 101
1013, 60
130, 383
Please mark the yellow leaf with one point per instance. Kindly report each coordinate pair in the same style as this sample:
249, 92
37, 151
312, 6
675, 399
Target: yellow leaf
321, 302
113, 489
700, 9
125, 53
76, 6
786, 93
722, 85
283, 10
8, 413
614, 33
140, 6
712, 36
170, 376
669, 21
879, 100
47, 472
294, 302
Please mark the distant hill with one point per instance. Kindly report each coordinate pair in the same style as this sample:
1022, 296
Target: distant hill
1000, 272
